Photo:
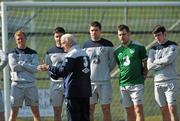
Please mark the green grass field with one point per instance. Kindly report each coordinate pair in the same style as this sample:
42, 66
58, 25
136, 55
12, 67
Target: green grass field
151, 118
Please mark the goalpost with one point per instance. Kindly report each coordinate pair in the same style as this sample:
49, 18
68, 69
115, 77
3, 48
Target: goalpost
75, 18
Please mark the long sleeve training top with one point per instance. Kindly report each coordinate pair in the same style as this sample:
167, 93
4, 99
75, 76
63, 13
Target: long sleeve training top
162, 60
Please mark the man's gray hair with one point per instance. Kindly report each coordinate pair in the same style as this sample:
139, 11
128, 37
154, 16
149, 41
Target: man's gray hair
69, 38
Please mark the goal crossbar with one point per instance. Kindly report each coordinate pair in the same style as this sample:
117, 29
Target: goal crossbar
89, 4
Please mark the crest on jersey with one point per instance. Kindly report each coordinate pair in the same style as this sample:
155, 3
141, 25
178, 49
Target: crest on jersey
85, 70
131, 51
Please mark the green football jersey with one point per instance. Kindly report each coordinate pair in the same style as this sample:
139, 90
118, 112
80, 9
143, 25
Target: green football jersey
129, 60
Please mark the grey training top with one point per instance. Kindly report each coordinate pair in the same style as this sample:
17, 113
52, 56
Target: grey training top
23, 64
102, 59
3, 59
163, 61
54, 57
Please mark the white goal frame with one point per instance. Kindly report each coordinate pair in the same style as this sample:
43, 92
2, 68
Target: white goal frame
4, 19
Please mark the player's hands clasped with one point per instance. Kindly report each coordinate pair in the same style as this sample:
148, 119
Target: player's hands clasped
42, 67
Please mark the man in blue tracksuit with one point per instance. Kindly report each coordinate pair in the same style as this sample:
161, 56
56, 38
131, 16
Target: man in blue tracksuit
75, 69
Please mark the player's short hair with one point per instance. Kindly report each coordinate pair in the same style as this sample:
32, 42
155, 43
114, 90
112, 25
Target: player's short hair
19, 33
95, 24
158, 28
59, 30
121, 27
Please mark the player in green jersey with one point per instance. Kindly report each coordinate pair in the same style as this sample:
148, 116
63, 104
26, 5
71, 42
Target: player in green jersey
132, 60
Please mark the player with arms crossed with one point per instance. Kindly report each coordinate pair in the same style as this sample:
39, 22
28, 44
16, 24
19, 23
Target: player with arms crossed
23, 62
162, 60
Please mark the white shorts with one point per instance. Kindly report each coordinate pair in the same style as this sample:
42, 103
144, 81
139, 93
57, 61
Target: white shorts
56, 93
20, 93
132, 95
1, 103
166, 92
101, 93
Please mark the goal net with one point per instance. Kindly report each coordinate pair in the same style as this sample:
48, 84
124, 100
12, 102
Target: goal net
38, 19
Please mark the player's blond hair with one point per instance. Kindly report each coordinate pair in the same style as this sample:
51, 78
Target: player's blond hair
19, 33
